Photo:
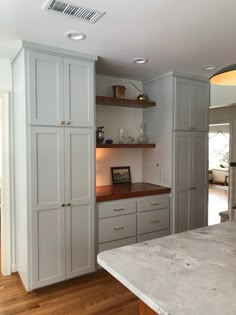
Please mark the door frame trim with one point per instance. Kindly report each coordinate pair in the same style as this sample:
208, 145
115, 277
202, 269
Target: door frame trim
6, 185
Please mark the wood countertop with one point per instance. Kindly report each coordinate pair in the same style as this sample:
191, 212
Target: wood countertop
122, 191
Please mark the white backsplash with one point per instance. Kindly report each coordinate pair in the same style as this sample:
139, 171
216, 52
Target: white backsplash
113, 119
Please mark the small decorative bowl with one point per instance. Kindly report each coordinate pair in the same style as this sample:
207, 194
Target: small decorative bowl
109, 141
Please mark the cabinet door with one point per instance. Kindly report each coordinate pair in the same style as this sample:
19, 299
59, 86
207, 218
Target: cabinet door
191, 105
80, 191
199, 106
79, 93
182, 168
201, 202
45, 84
47, 197
190, 180
182, 202
182, 104
200, 162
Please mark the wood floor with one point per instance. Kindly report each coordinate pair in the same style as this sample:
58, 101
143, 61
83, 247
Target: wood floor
97, 293
217, 202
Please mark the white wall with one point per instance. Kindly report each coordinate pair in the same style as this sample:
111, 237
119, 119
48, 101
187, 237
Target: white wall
158, 161
222, 95
5, 75
6, 85
114, 119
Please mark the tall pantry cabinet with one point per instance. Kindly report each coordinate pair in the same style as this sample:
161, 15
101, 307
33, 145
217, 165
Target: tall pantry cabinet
179, 127
54, 157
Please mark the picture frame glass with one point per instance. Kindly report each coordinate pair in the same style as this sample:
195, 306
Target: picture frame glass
121, 175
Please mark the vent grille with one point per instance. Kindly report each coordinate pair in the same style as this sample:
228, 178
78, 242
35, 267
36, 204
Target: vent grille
73, 10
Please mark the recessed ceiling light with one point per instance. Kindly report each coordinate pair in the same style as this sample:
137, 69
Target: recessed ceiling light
140, 61
73, 35
209, 67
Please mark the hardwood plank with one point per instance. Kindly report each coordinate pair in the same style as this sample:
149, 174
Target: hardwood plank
93, 294
145, 310
123, 102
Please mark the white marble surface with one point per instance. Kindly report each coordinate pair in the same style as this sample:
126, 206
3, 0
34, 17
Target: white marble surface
192, 273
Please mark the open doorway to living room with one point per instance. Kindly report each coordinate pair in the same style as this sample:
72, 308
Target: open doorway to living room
219, 150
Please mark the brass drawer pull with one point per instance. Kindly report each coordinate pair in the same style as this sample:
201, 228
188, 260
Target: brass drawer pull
154, 204
154, 221
119, 228
119, 209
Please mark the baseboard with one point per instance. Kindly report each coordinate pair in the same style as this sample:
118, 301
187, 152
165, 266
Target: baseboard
13, 268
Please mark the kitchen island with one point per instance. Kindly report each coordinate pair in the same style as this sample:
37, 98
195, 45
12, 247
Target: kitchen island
190, 273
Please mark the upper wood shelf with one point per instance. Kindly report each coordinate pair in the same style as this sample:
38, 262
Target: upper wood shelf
126, 145
123, 102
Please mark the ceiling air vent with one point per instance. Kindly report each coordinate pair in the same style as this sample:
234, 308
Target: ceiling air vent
73, 10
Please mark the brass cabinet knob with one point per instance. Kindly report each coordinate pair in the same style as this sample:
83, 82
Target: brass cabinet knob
68, 204
62, 205
68, 123
62, 122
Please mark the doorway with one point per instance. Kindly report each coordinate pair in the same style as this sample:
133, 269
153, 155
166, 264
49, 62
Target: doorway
5, 183
219, 153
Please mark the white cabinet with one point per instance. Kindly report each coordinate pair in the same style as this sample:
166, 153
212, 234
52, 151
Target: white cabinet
179, 127
190, 180
61, 90
123, 222
53, 91
62, 168
191, 103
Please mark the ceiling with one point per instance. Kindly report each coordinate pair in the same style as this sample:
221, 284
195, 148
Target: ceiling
178, 35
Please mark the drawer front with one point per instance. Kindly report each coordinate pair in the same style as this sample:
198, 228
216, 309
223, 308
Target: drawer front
116, 244
153, 203
153, 221
111, 229
113, 208
151, 236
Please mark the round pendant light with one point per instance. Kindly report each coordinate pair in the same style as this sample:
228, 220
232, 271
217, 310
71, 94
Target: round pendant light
225, 76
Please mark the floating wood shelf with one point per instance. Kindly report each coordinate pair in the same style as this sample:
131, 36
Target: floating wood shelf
123, 102
126, 145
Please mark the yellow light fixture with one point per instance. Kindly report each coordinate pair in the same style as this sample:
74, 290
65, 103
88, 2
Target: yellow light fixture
225, 76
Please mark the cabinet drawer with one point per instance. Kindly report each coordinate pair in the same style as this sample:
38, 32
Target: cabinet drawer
153, 221
116, 244
110, 229
153, 235
153, 203
113, 208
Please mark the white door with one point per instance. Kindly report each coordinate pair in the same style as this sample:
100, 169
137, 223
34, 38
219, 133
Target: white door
79, 94
182, 180
190, 180
199, 106
182, 99
47, 203
191, 105
200, 162
45, 85
80, 192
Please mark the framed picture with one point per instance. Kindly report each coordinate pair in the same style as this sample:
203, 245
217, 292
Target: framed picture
120, 175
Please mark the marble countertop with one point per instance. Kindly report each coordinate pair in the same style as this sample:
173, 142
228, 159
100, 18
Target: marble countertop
190, 273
